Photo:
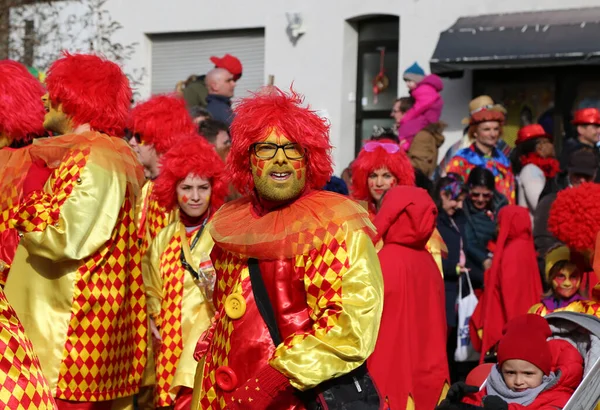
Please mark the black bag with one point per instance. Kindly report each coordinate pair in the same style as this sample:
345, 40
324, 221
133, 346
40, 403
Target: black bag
352, 391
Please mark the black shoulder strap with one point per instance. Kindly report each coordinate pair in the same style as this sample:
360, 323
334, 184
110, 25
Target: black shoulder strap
262, 301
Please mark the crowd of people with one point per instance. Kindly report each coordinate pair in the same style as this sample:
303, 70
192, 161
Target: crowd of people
184, 254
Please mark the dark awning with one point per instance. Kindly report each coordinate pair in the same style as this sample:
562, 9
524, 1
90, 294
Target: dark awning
543, 38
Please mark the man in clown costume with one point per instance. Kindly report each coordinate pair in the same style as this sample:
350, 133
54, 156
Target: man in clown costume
79, 290
315, 255
23, 384
154, 125
22, 120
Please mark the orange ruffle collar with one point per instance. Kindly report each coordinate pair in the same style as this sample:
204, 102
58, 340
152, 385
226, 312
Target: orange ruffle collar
305, 224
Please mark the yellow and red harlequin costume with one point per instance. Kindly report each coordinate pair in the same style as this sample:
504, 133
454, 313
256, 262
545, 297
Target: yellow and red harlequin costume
399, 165
22, 119
175, 302
318, 263
79, 290
468, 158
157, 122
23, 386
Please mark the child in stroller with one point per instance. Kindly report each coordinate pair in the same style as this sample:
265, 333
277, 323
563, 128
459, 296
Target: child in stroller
532, 371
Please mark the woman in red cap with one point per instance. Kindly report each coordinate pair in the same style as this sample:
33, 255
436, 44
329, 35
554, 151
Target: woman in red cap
534, 162
177, 268
587, 123
532, 372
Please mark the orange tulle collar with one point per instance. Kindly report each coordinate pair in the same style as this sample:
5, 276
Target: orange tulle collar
295, 229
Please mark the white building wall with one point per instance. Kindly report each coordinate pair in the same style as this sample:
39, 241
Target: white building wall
323, 63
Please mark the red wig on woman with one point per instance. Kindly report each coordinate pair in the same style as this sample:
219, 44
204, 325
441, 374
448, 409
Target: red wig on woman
20, 103
92, 91
271, 108
158, 120
191, 155
375, 155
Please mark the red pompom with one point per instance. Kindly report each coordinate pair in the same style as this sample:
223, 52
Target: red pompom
575, 217
160, 119
367, 162
255, 116
20, 102
191, 155
92, 91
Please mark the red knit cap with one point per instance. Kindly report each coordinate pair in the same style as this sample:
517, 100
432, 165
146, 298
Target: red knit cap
525, 339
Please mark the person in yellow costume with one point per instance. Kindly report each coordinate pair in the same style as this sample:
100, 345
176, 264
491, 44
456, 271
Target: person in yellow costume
22, 120
178, 273
575, 221
79, 290
314, 254
153, 127
23, 385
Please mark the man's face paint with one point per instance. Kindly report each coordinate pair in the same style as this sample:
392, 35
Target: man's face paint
566, 283
56, 120
278, 178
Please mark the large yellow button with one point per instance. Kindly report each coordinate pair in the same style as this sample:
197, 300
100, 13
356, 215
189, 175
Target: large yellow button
235, 306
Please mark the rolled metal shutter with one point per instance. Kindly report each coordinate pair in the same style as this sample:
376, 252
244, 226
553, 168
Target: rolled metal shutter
176, 56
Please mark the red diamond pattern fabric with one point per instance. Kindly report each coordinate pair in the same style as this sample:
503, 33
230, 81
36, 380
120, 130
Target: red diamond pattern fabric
22, 384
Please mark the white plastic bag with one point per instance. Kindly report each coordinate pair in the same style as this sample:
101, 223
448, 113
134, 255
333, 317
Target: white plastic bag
466, 306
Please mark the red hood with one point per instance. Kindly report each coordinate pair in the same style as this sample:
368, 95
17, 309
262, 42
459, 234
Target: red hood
514, 222
407, 217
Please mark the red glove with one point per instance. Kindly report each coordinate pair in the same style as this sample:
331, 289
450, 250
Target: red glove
258, 392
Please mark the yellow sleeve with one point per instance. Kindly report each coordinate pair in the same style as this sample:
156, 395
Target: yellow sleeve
77, 211
344, 288
151, 273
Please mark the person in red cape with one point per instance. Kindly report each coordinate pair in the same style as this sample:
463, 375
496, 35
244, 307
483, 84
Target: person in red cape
22, 119
316, 257
512, 285
412, 373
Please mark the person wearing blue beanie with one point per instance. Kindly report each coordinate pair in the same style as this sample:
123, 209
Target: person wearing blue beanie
413, 75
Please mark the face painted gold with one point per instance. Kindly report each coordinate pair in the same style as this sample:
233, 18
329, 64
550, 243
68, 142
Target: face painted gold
56, 120
278, 178
5, 140
566, 282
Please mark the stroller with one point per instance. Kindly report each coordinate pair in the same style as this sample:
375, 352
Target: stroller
583, 331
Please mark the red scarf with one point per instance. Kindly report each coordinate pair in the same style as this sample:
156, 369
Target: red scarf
190, 221
550, 166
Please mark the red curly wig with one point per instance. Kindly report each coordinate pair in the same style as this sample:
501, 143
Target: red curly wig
92, 91
575, 217
20, 102
272, 108
366, 162
159, 119
191, 155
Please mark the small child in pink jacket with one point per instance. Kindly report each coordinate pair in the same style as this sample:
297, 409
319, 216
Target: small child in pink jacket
425, 89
